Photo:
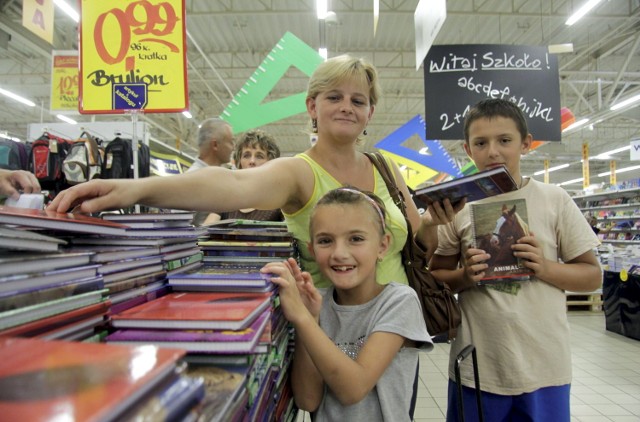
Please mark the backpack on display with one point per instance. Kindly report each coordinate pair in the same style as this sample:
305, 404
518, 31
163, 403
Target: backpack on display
13, 155
46, 158
84, 160
118, 160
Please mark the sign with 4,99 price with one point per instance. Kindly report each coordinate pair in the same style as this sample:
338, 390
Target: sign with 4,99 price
135, 42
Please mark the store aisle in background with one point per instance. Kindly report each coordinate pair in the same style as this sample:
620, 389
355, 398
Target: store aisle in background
606, 375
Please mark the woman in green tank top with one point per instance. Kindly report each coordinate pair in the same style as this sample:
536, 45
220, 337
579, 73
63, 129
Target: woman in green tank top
341, 98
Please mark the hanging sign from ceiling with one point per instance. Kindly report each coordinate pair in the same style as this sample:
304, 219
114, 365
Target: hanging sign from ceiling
64, 81
427, 20
37, 17
125, 44
456, 77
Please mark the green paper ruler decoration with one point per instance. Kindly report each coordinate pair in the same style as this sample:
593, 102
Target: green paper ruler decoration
247, 110
469, 168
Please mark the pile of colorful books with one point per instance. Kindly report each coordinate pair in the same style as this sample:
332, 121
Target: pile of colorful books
60, 380
226, 314
153, 282
134, 265
127, 263
45, 292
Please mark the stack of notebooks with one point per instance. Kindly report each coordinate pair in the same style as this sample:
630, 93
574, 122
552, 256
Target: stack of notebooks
143, 281
204, 322
135, 265
243, 246
44, 291
245, 243
226, 314
46, 380
53, 296
63, 262
221, 331
171, 232
132, 254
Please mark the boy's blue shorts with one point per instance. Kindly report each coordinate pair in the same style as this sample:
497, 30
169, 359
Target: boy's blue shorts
549, 404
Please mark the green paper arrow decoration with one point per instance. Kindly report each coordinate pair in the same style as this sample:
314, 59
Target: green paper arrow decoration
247, 110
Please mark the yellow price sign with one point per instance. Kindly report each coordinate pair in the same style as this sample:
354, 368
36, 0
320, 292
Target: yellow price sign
64, 81
133, 42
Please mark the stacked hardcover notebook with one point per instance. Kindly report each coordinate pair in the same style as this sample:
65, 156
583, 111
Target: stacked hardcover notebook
59, 380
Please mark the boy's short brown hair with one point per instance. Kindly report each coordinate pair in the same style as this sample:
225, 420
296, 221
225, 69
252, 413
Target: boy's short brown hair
488, 109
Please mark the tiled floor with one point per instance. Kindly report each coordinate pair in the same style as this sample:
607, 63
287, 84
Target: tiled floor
606, 375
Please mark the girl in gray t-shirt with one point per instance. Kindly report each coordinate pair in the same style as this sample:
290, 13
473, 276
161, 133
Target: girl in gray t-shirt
356, 351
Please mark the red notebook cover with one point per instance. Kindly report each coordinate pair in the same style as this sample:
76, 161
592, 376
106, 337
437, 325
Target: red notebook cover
203, 341
59, 221
196, 310
76, 381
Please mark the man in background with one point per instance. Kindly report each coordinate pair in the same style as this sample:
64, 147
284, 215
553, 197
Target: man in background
216, 143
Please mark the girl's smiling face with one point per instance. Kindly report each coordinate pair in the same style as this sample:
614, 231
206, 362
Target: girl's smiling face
346, 243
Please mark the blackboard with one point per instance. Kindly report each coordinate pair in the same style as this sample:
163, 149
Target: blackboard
456, 77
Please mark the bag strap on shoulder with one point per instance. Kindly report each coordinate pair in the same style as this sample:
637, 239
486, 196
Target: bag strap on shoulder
380, 163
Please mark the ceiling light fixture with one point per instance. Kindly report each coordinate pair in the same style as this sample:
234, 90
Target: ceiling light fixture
560, 167
560, 48
625, 103
570, 182
607, 154
622, 170
66, 119
576, 124
321, 9
70, 11
581, 12
187, 114
323, 52
17, 98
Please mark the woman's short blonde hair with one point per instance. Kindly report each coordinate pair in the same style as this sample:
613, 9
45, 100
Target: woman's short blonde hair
336, 70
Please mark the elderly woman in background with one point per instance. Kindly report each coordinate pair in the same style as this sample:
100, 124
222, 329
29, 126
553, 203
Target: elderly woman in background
253, 149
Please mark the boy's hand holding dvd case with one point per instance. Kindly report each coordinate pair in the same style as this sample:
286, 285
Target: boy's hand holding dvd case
477, 186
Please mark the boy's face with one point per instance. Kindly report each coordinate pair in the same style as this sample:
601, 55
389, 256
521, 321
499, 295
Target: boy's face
496, 141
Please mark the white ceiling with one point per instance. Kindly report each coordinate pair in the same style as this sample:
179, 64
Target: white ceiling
228, 39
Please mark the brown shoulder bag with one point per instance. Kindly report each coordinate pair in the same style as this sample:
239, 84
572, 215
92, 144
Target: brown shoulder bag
440, 308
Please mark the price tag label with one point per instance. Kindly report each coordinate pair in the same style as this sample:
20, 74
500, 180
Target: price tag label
124, 42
